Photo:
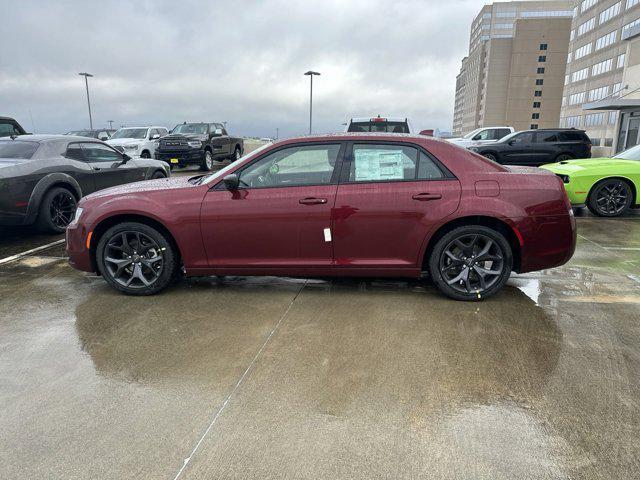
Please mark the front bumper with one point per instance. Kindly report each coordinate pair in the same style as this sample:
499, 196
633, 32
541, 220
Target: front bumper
77, 247
181, 158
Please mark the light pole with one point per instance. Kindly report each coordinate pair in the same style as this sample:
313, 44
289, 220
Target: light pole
110, 124
311, 73
86, 84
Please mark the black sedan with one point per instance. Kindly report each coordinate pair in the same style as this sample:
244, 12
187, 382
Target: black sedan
42, 177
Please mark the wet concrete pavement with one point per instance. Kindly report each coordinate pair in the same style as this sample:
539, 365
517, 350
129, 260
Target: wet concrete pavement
288, 378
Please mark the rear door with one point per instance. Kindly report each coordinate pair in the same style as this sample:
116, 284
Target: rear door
390, 196
545, 147
108, 166
280, 217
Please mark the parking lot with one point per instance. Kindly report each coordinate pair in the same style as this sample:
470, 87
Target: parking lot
292, 378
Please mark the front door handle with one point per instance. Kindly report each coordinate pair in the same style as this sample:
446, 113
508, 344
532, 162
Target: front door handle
312, 201
424, 197
95, 168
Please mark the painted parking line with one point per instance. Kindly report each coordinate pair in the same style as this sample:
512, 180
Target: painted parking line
18, 256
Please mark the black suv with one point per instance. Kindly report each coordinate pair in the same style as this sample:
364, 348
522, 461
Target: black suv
537, 147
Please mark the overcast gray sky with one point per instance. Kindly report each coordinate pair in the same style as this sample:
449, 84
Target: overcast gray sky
241, 62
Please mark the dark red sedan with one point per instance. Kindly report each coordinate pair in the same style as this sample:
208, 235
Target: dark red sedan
350, 205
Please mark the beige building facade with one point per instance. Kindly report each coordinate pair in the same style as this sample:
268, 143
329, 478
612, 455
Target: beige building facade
602, 74
514, 72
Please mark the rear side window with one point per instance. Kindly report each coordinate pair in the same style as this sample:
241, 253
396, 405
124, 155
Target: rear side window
17, 149
74, 150
385, 127
546, 137
380, 163
573, 137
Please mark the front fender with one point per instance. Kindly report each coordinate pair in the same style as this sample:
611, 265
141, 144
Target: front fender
45, 183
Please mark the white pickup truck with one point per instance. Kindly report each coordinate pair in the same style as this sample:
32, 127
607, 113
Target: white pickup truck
137, 141
481, 136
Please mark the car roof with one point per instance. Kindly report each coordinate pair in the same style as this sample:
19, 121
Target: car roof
361, 136
46, 137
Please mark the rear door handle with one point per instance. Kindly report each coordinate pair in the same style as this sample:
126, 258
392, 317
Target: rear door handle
424, 197
312, 201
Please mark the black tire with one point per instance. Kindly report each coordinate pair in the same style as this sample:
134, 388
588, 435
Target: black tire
490, 156
465, 277
57, 209
207, 161
563, 157
157, 175
237, 154
144, 264
145, 154
610, 197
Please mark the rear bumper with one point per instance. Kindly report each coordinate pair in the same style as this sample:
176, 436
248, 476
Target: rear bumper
547, 241
79, 253
183, 157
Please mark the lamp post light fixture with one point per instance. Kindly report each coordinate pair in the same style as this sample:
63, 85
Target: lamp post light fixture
311, 74
86, 84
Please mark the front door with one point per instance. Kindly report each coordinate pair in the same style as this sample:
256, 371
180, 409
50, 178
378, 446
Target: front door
108, 166
520, 150
389, 198
279, 217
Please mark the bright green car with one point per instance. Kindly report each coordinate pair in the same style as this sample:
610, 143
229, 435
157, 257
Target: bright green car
607, 186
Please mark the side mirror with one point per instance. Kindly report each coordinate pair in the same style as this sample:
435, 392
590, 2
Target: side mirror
104, 138
125, 158
217, 132
231, 181
477, 137
155, 136
428, 133
512, 142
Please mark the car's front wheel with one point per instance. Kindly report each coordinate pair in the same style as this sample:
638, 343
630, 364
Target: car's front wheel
610, 198
471, 262
136, 259
207, 161
57, 209
563, 157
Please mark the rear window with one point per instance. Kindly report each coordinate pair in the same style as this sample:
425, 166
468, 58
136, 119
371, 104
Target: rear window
574, 137
385, 127
17, 149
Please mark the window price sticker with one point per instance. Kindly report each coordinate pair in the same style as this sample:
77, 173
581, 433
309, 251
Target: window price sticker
378, 165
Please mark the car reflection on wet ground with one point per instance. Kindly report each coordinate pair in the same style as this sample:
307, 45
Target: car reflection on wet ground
292, 378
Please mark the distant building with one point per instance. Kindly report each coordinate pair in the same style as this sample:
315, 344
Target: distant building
602, 74
514, 72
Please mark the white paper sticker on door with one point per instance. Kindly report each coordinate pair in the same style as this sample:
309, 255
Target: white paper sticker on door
327, 234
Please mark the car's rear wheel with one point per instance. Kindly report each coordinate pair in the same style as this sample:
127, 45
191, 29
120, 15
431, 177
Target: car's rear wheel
563, 157
490, 156
471, 262
237, 154
207, 161
610, 198
57, 209
136, 259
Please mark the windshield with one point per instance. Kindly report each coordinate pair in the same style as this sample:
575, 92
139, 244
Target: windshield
632, 153
17, 149
139, 133
221, 173
472, 134
198, 128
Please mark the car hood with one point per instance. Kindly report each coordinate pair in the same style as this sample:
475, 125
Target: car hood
124, 141
146, 186
571, 166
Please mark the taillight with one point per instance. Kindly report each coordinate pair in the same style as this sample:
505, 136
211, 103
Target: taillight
378, 119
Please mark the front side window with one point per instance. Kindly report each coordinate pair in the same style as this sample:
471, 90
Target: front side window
380, 163
483, 135
524, 137
7, 130
17, 149
95, 152
293, 166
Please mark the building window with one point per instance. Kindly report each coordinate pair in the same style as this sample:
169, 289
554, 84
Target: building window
631, 3
620, 61
593, 119
613, 118
587, 26
616, 89
535, 116
602, 67
583, 50
608, 142
571, 122
538, 93
543, 46
610, 12
598, 93
539, 81
536, 104
540, 70
550, 13
606, 40
587, 4
576, 98
542, 58
579, 75
534, 126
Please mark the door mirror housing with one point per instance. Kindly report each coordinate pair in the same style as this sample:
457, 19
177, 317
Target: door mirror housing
231, 181
512, 142
217, 132
155, 136
104, 138
125, 158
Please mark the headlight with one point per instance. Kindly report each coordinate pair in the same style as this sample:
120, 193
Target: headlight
76, 217
195, 143
131, 147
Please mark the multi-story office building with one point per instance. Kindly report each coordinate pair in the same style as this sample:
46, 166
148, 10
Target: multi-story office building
595, 77
514, 72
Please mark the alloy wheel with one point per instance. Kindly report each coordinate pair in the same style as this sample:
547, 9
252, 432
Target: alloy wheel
472, 263
612, 197
237, 154
62, 209
208, 160
133, 259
